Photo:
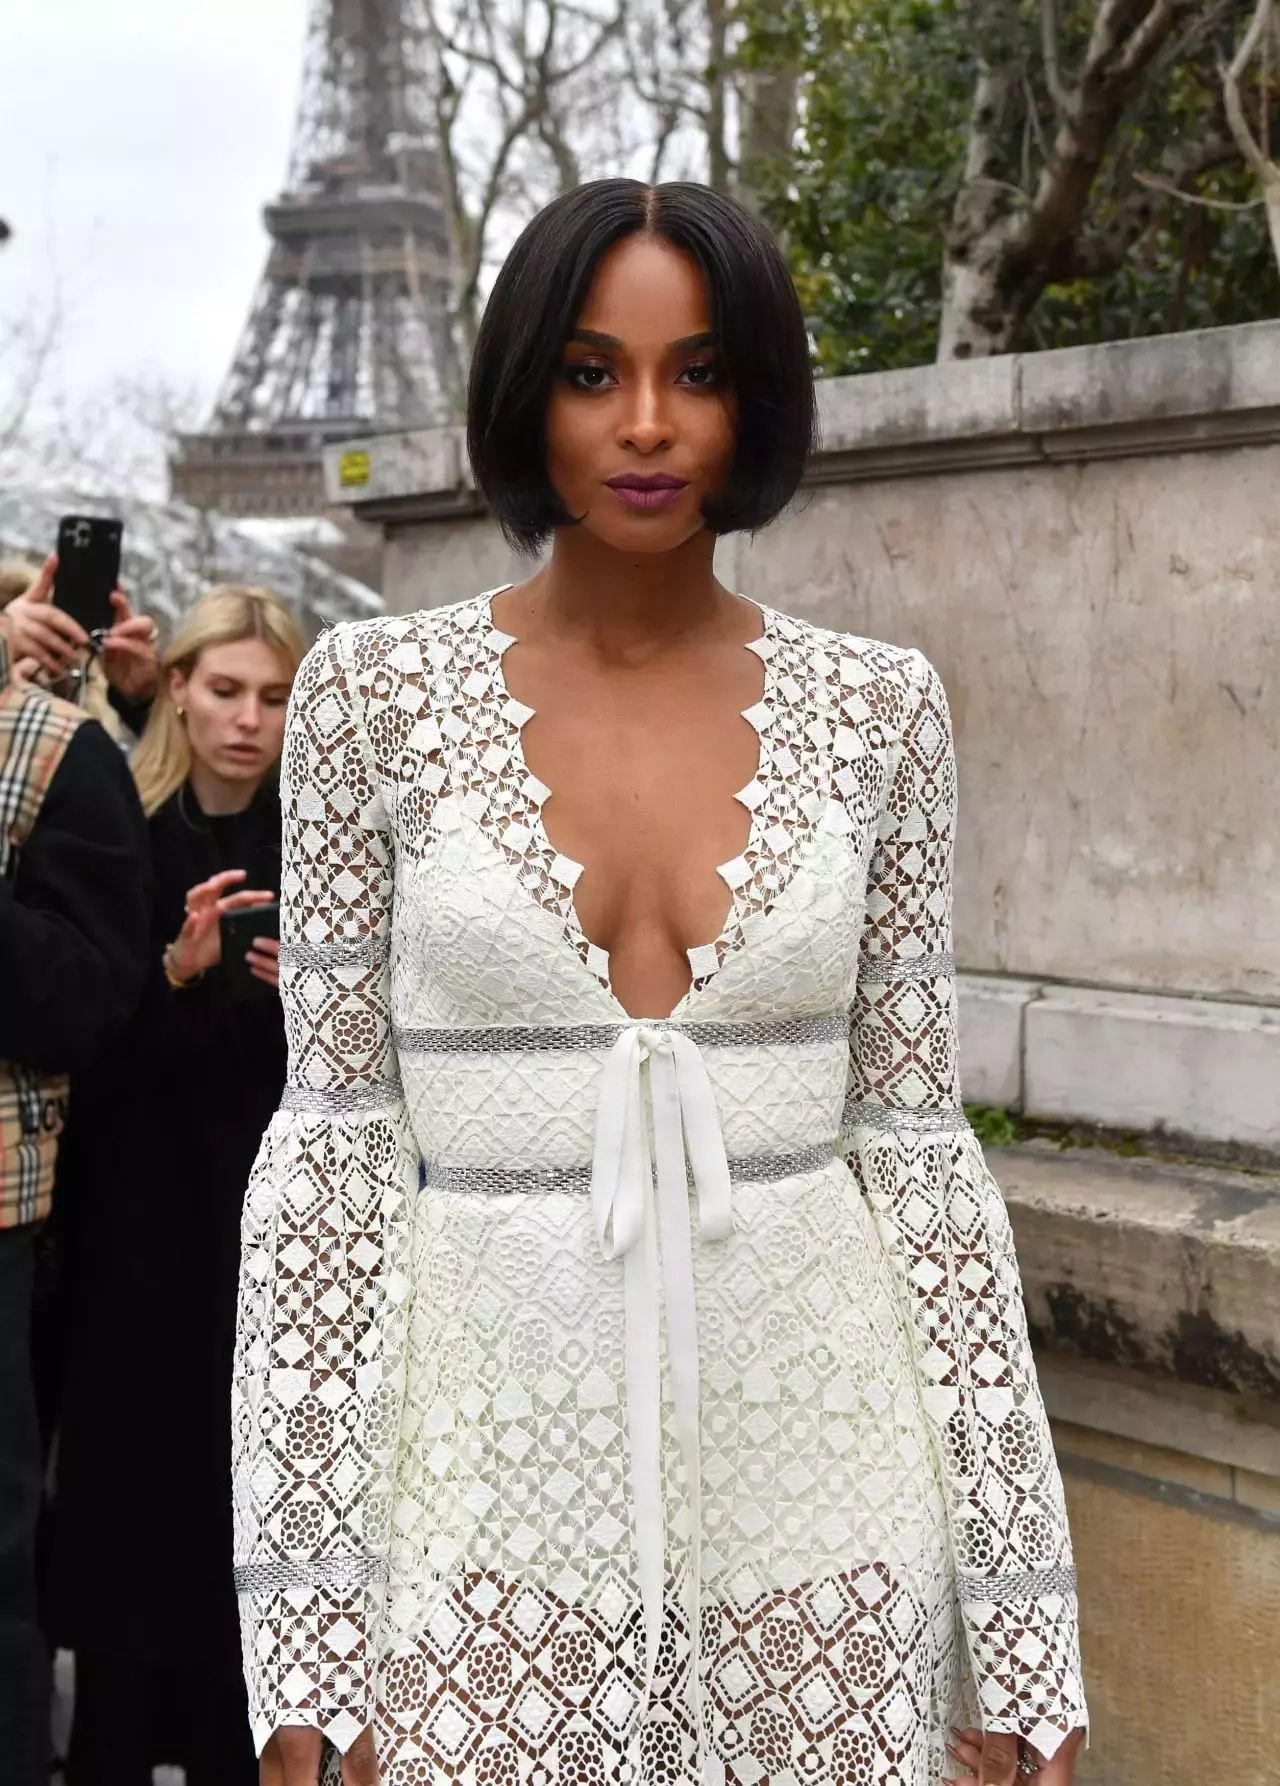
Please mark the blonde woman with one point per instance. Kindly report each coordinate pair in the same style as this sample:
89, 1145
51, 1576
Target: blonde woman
159, 1147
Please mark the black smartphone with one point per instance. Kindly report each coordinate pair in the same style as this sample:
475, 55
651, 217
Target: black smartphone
88, 569
238, 931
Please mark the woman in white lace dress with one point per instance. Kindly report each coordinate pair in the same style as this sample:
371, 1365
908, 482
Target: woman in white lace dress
633, 1384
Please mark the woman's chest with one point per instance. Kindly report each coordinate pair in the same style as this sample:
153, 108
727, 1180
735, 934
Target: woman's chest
478, 939
505, 911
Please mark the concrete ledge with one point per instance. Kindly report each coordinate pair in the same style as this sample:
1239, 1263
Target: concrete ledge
991, 1038
1203, 1068
1151, 1267
1232, 372
1165, 393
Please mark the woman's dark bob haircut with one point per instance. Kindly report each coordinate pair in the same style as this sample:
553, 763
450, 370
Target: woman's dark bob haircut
539, 295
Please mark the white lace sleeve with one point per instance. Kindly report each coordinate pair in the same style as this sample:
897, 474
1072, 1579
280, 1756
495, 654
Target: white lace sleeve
943, 1222
323, 1290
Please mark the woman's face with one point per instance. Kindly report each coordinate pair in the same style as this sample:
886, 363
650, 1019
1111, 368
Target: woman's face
641, 428
235, 700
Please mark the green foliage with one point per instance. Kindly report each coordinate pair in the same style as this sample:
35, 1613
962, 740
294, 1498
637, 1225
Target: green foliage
994, 1128
886, 90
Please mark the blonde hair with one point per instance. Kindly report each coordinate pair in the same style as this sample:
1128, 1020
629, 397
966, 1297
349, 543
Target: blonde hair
16, 577
223, 615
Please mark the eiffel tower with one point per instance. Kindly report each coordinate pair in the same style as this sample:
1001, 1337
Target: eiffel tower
349, 331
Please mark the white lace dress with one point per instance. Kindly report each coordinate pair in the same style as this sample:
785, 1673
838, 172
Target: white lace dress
621, 1401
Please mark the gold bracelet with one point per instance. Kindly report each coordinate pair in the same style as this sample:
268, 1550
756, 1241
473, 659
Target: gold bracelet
177, 984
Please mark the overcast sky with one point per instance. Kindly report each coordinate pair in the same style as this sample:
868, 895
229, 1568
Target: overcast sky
138, 142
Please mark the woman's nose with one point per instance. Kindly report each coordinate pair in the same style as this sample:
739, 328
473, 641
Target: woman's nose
647, 425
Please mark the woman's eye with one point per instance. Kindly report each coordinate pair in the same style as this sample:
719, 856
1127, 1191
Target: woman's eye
703, 376
586, 377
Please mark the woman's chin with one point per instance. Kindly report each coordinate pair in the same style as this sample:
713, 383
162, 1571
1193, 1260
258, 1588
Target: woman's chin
237, 768
635, 531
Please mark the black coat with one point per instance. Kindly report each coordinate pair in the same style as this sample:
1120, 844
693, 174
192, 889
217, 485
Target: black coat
152, 1176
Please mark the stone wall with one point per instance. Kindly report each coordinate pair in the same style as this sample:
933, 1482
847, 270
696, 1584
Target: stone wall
1103, 631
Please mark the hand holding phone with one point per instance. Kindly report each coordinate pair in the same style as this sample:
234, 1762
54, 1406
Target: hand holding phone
43, 632
198, 946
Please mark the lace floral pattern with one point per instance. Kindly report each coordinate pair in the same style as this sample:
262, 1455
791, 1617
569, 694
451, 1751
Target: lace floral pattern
434, 1516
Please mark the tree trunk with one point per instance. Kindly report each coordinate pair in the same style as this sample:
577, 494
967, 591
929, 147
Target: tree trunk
718, 164
769, 97
977, 316
1005, 244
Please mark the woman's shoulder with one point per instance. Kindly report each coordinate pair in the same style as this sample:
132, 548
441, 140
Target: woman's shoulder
366, 655
850, 661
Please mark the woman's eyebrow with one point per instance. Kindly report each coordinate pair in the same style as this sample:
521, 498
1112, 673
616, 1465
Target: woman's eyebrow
611, 343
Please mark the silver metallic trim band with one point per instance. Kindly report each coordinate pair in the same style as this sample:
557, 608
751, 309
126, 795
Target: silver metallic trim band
342, 1573
503, 1038
503, 1181
1026, 1584
370, 951
341, 1100
903, 1122
884, 970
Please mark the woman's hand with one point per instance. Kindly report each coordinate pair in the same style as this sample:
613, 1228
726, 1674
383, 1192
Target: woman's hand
992, 1760
129, 652
292, 1758
39, 630
198, 945
263, 956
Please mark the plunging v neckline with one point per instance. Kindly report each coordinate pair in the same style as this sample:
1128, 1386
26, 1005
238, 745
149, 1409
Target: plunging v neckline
705, 959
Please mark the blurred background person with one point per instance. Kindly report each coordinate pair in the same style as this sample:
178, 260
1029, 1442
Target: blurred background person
73, 935
158, 1152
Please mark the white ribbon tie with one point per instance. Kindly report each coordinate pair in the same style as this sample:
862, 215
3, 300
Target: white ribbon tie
651, 1232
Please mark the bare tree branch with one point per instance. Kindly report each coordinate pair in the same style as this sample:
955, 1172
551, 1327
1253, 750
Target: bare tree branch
1049, 50
1253, 153
1256, 156
1094, 254
1197, 198
506, 71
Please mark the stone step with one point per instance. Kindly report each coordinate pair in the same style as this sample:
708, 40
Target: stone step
1167, 1268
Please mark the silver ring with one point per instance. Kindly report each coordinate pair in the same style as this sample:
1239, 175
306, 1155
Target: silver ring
1026, 1765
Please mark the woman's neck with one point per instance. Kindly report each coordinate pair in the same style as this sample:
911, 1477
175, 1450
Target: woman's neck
624, 605
218, 797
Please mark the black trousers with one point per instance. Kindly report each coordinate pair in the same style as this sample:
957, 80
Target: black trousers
24, 1661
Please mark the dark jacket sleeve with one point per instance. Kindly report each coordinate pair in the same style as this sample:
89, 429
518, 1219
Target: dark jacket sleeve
74, 920
135, 714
